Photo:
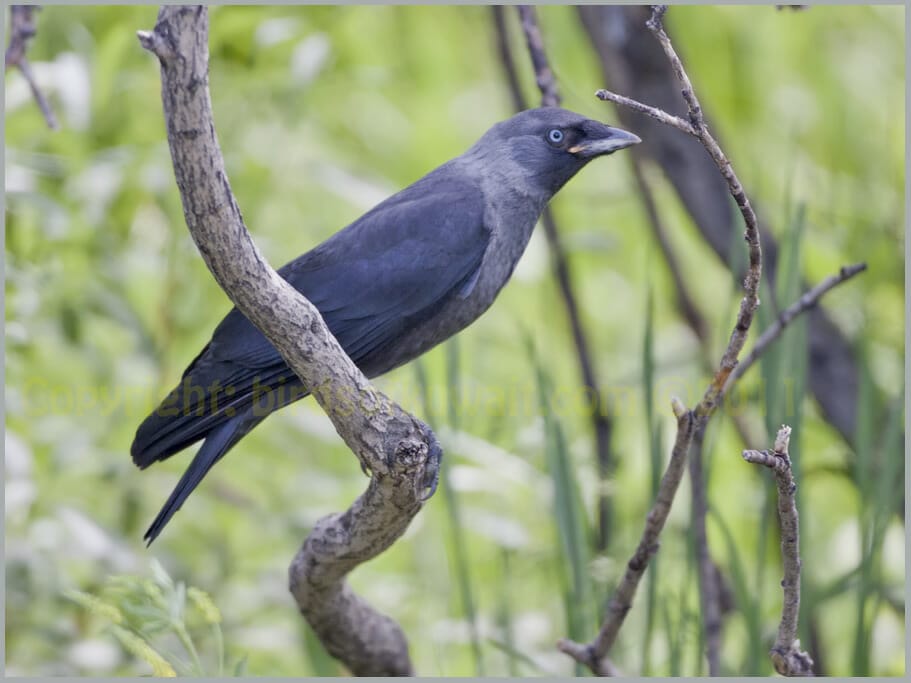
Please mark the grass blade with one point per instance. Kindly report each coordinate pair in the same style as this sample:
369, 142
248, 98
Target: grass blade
459, 553
653, 435
572, 525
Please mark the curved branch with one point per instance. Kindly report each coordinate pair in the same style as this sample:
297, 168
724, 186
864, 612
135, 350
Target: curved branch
750, 301
400, 452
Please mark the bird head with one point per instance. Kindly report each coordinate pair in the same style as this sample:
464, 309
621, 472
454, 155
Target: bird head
539, 150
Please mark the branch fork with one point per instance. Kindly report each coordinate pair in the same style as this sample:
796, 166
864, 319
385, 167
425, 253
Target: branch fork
786, 654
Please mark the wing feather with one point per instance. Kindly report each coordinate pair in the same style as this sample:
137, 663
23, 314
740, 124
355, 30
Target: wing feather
390, 270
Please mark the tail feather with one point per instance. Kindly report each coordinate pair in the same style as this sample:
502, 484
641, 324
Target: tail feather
217, 443
160, 437
182, 419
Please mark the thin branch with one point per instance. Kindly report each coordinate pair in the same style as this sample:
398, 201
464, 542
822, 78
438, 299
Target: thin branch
22, 29
636, 65
709, 589
654, 112
750, 301
584, 654
803, 304
729, 369
400, 452
601, 421
550, 96
506, 58
593, 654
691, 313
708, 586
621, 600
786, 655
544, 75
698, 129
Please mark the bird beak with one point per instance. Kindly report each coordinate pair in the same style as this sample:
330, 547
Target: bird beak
604, 140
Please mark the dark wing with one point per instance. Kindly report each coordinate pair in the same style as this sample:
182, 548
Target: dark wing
386, 272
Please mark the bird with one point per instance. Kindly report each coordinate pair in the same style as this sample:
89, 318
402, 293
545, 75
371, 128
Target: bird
414, 270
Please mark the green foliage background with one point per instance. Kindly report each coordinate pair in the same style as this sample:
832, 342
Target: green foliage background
322, 112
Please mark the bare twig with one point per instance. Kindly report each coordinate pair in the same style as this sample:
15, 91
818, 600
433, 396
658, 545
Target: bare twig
636, 65
791, 660
708, 586
400, 452
698, 129
655, 113
593, 654
585, 655
687, 302
803, 304
550, 96
786, 655
22, 29
750, 301
710, 589
621, 600
506, 58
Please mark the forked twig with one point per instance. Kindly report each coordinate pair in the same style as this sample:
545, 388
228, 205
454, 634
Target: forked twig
592, 654
803, 304
786, 654
789, 657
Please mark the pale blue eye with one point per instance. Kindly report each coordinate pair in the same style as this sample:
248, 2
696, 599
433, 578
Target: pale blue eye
555, 135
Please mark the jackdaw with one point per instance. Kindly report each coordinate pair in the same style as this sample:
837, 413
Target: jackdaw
410, 273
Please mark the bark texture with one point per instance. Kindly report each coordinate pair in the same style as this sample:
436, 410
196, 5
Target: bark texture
399, 451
